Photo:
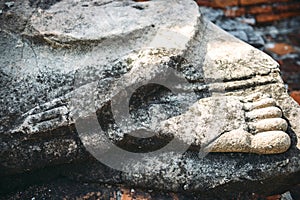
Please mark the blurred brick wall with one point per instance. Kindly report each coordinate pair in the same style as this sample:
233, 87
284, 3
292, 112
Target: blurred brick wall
263, 11
281, 37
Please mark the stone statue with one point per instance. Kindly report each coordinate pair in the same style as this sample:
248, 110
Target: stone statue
177, 77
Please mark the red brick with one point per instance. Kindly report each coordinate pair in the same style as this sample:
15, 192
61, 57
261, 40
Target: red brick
235, 12
253, 2
296, 96
289, 14
287, 7
208, 3
282, 49
226, 3
217, 3
278, 8
264, 18
260, 9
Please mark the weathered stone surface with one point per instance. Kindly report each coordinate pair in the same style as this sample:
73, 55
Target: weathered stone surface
266, 129
229, 99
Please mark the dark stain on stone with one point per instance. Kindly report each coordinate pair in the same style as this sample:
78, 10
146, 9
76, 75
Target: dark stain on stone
138, 7
43, 4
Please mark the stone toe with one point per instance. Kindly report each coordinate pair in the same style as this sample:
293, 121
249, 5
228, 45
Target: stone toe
263, 103
271, 124
270, 142
264, 113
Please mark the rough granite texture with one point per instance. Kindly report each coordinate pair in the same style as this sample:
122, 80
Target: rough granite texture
65, 64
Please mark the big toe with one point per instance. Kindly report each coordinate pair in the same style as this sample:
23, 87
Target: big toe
270, 142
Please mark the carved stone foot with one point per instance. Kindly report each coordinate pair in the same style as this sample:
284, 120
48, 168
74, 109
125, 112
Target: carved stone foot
251, 125
266, 130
